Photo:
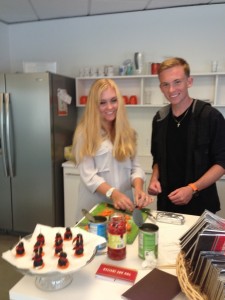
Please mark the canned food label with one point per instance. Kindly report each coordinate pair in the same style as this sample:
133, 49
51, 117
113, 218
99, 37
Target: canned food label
99, 229
148, 242
117, 241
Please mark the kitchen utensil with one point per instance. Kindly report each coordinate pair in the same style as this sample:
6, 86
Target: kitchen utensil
138, 62
137, 217
150, 215
87, 215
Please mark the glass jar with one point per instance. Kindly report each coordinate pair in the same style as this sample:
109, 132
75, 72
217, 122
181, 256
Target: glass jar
117, 237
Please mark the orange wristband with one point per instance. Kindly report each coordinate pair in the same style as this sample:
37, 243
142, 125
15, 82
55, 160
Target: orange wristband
194, 187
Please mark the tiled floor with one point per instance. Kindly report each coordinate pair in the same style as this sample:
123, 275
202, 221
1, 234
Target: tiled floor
8, 275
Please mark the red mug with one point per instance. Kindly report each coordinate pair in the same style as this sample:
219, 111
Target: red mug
126, 99
133, 99
83, 100
155, 68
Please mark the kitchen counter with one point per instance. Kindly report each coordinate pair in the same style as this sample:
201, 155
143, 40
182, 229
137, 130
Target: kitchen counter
86, 287
71, 165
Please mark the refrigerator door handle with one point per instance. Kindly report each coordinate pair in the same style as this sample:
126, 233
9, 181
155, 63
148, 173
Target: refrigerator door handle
2, 132
9, 135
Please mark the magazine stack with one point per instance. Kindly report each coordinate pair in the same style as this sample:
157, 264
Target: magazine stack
203, 255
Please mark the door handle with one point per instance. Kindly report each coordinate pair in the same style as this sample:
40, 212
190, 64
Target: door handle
2, 132
9, 135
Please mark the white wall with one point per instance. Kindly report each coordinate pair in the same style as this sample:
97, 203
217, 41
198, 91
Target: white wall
4, 53
195, 33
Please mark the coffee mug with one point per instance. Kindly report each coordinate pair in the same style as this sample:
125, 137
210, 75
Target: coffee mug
133, 99
126, 99
155, 68
83, 100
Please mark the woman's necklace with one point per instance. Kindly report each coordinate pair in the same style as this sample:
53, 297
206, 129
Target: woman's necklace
179, 122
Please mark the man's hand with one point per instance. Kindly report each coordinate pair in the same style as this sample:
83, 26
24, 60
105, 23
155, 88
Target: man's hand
181, 196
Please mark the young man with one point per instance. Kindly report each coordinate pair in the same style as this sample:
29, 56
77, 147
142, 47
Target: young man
188, 146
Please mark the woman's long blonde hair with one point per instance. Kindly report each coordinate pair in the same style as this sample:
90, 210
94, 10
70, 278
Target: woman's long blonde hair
89, 135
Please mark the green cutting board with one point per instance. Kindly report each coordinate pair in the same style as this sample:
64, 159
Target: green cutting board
99, 209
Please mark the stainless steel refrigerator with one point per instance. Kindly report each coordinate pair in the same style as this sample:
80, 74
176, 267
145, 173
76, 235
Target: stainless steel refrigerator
35, 126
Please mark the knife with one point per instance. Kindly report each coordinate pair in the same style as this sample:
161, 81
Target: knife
138, 217
150, 215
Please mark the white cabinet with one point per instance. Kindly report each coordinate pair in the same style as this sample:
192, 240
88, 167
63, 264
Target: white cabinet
207, 86
71, 179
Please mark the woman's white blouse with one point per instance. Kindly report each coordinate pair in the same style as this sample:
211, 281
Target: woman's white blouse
105, 168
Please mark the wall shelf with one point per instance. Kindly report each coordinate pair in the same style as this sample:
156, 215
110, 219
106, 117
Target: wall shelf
206, 86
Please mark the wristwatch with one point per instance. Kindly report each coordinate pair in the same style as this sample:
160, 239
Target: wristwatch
109, 192
194, 189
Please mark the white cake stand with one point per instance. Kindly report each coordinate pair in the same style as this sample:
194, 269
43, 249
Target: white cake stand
52, 278
55, 280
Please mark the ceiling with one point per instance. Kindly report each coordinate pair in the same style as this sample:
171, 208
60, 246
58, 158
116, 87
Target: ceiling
19, 11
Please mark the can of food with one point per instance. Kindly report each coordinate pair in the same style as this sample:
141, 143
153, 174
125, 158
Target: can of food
99, 227
148, 240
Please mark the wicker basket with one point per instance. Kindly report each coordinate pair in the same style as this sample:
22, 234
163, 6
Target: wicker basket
191, 291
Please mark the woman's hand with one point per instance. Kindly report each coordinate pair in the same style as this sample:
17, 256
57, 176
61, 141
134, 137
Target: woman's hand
121, 201
142, 199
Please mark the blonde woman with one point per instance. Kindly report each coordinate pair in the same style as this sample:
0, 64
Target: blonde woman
104, 148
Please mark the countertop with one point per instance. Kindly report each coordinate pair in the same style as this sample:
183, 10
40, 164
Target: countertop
86, 286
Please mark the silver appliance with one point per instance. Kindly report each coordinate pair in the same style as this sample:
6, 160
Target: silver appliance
35, 126
138, 62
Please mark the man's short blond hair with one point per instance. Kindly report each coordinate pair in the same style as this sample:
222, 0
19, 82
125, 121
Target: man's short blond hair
173, 62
